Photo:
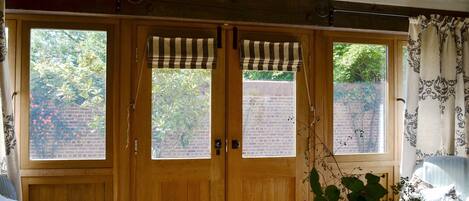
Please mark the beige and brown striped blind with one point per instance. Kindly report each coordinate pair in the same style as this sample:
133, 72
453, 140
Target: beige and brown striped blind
181, 53
270, 56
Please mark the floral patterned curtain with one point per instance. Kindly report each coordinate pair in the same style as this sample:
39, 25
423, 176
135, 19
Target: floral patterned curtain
11, 148
437, 106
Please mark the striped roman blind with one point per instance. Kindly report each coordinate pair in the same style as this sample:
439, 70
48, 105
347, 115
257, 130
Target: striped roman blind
270, 56
183, 53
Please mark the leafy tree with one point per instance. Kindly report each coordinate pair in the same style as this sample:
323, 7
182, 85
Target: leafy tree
268, 75
359, 63
67, 67
180, 104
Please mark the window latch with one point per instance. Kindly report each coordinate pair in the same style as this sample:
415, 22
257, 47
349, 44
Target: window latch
136, 55
135, 146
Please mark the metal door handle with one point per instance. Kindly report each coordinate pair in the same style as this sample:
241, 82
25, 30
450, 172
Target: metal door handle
234, 144
218, 144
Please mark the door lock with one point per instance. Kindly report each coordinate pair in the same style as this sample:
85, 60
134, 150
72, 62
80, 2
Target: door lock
234, 144
218, 144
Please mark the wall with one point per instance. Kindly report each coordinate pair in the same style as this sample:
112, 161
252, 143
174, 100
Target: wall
85, 142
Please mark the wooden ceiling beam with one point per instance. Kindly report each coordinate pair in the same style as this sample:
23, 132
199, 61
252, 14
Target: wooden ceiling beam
296, 12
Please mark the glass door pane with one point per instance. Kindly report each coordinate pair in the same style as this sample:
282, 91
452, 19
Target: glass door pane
269, 114
181, 113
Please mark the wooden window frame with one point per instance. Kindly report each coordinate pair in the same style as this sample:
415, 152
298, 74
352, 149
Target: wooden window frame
390, 98
235, 96
400, 106
111, 92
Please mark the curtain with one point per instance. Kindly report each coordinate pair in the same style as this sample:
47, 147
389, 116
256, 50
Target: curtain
11, 148
437, 105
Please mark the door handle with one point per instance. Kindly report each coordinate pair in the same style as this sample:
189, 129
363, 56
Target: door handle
218, 144
234, 144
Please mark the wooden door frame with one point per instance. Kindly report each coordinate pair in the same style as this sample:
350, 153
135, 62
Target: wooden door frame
217, 108
234, 96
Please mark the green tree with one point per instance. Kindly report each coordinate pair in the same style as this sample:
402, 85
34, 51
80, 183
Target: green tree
359, 63
180, 104
268, 75
67, 67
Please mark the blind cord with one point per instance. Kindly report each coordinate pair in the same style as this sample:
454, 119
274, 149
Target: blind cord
133, 103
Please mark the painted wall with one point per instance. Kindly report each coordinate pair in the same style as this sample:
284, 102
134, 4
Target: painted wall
456, 5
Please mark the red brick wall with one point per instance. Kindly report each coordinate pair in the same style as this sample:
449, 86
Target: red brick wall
87, 143
351, 117
270, 130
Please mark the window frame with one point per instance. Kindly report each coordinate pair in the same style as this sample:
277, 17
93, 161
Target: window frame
301, 96
400, 106
24, 106
390, 103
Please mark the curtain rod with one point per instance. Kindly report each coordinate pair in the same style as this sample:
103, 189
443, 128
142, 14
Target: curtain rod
370, 13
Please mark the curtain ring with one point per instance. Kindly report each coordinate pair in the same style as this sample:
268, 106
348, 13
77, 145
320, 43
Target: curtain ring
401, 99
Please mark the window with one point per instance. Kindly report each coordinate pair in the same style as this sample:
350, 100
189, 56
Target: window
67, 85
269, 114
359, 97
181, 113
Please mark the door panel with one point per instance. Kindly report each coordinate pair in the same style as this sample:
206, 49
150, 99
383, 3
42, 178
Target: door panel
269, 189
272, 167
268, 169
175, 166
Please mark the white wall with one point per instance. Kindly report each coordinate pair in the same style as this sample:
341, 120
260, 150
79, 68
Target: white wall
457, 5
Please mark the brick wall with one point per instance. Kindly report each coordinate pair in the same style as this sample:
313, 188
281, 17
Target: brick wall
358, 128
87, 143
269, 129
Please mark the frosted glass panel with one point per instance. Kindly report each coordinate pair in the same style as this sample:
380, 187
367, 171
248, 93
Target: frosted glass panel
360, 84
269, 114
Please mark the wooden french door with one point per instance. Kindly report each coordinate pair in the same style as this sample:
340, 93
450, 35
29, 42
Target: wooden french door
171, 166
254, 163
265, 159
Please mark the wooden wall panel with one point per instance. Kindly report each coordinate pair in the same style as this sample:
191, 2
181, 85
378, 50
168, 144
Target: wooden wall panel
268, 189
181, 191
69, 192
67, 188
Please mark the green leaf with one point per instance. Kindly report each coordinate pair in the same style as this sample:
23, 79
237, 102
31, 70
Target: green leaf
353, 183
355, 196
319, 198
332, 193
374, 191
371, 178
314, 182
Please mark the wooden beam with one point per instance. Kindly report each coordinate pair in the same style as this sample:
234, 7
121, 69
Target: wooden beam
295, 12
381, 17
